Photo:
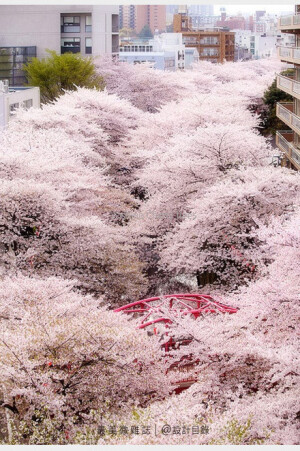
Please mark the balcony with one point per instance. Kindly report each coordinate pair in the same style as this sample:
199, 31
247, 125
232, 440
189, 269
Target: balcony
209, 43
289, 54
289, 85
69, 49
289, 23
285, 112
191, 43
204, 55
70, 28
284, 141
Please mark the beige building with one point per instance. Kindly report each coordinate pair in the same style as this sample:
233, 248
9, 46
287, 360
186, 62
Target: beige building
85, 29
288, 141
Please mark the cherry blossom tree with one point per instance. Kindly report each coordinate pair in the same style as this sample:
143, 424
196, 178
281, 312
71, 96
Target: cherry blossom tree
65, 354
247, 363
62, 212
160, 181
146, 89
219, 234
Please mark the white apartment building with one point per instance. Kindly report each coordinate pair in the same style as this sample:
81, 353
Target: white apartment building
170, 42
85, 29
166, 51
157, 60
13, 98
261, 45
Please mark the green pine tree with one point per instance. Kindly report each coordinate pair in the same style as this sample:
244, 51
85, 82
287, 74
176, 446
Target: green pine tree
59, 73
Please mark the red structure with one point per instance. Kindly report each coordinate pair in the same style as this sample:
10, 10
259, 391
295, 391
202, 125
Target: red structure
152, 315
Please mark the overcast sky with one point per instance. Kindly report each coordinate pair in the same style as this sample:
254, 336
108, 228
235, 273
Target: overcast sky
272, 9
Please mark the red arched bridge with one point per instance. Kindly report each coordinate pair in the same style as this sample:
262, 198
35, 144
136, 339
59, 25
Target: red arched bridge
153, 316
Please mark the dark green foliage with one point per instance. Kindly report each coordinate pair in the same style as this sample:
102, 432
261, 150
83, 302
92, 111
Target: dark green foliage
59, 73
272, 95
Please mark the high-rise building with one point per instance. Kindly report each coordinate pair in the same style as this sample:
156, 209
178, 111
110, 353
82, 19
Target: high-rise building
170, 11
137, 16
202, 16
249, 23
201, 10
288, 141
232, 22
152, 15
259, 14
127, 16
260, 25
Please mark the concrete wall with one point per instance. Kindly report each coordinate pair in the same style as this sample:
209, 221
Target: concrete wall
17, 97
40, 26
30, 26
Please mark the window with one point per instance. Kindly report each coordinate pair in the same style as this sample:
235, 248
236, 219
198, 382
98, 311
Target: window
169, 62
13, 107
28, 103
12, 60
190, 40
213, 40
210, 52
70, 45
115, 23
70, 24
88, 45
88, 24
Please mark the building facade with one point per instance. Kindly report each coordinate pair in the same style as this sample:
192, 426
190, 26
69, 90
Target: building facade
11, 63
158, 60
162, 49
288, 141
232, 22
203, 21
260, 45
201, 10
85, 29
127, 16
13, 98
136, 17
213, 45
171, 42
